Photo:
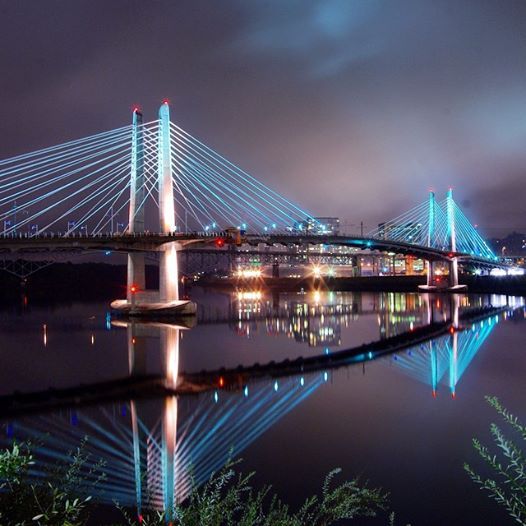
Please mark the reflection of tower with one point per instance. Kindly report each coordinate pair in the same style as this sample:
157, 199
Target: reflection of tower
446, 358
453, 366
434, 367
154, 487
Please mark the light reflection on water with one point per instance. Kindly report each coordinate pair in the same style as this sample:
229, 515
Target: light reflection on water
152, 446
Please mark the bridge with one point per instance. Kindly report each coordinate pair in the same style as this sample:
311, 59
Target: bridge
152, 186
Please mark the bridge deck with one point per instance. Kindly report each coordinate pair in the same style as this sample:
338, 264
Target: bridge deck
150, 242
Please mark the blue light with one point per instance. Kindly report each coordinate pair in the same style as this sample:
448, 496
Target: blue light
245, 391
325, 376
276, 385
302, 381
216, 397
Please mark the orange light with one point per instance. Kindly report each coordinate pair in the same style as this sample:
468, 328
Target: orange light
221, 381
134, 289
452, 330
220, 242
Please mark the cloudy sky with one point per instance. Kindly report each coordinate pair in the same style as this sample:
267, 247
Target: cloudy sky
348, 107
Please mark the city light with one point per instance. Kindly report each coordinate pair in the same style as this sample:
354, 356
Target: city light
249, 295
248, 273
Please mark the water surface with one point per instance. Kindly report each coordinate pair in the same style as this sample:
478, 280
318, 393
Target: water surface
403, 421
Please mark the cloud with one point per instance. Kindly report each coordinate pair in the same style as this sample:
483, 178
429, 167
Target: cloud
326, 35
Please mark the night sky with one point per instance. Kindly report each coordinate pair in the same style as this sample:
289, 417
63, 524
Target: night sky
349, 108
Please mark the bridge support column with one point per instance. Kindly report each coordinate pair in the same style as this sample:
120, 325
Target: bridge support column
275, 269
453, 273
136, 265
168, 273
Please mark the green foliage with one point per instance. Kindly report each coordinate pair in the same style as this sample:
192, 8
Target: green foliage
228, 499
508, 487
57, 502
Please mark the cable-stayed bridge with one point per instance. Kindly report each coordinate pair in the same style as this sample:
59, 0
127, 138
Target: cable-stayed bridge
153, 186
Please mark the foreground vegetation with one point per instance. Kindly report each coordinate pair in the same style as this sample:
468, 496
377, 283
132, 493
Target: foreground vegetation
507, 483
227, 499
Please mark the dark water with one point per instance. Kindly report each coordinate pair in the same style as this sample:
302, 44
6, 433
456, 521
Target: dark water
403, 421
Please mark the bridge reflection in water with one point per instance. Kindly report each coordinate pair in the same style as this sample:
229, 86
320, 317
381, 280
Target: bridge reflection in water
155, 448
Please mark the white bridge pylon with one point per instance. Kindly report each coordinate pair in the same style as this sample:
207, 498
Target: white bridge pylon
168, 267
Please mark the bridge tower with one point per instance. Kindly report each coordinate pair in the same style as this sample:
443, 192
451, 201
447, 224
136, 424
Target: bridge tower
452, 236
168, 271
430, 235
136, 273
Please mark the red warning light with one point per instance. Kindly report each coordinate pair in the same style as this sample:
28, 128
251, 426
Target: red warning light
134, 289
141, 519
220, 242
221, 381
166, 101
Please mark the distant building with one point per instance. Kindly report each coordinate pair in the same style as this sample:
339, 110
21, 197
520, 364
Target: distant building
318, 226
